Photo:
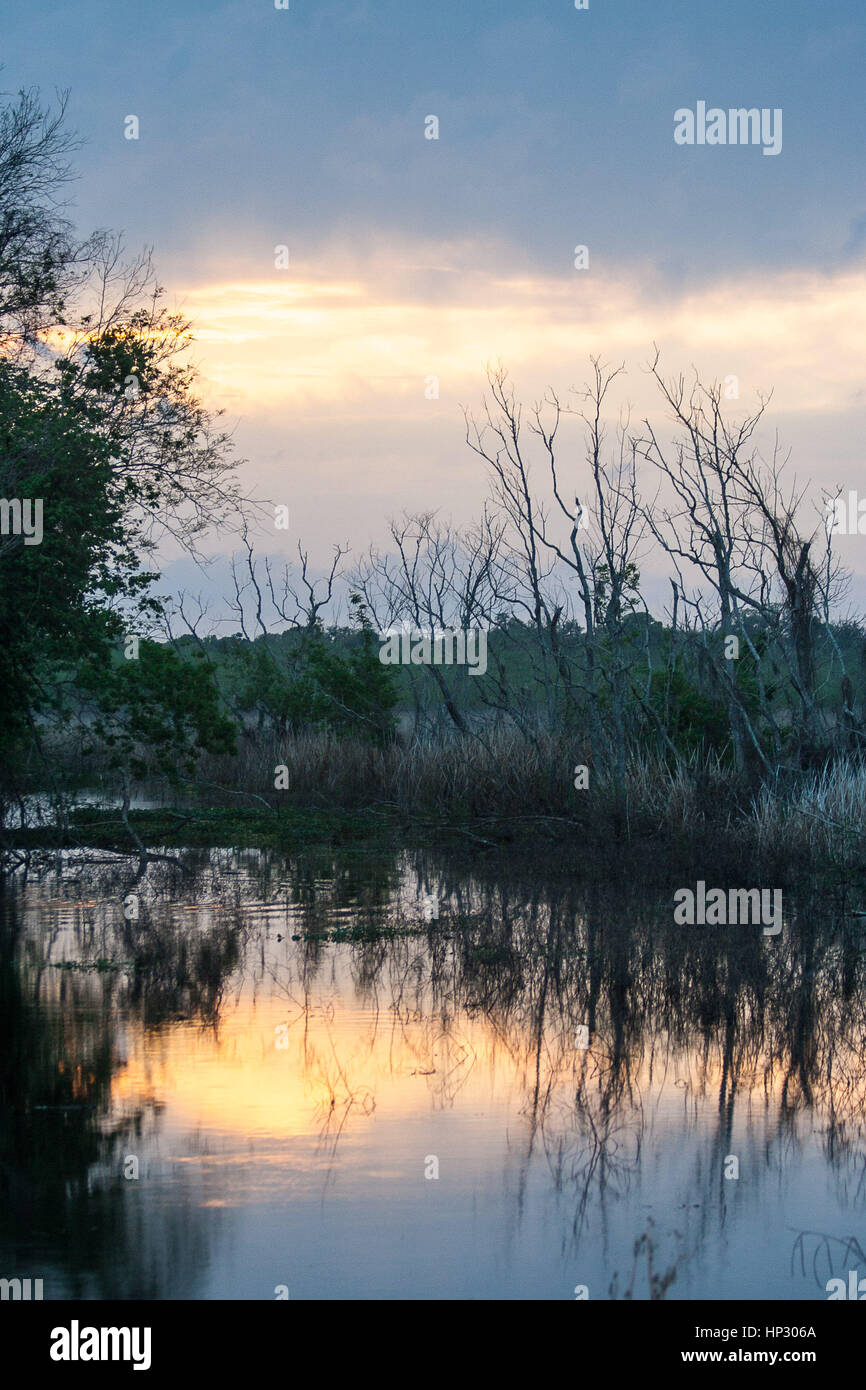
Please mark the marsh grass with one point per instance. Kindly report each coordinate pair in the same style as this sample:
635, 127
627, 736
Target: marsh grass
502, 788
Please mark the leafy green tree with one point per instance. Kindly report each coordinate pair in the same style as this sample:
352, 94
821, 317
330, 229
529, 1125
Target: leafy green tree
272, 677
360, 693
59, 597
101, 430
312, 679
693, 719
155, 713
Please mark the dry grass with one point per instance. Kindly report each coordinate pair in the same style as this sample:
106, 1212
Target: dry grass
823, 817
502, 776
505, 777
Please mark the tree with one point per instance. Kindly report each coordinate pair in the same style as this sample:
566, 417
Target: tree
153, 714
100, 426
42, 262
57, 597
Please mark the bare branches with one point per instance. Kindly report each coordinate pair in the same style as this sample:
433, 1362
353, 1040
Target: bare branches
41, 260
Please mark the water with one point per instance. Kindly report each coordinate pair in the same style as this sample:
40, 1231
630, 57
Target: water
198, 1106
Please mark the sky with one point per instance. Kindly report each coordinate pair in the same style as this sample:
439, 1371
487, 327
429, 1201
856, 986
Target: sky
412, 258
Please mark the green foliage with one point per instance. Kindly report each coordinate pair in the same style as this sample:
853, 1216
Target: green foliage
115, 356
306, 680
110, 465
56, 596
272, 682
156, 713
629, 596
692, 718
359, 692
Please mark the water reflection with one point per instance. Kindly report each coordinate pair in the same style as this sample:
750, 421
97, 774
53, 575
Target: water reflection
252, 1082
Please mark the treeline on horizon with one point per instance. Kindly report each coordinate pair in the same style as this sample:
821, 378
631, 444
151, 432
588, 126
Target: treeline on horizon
298, 680
751, 686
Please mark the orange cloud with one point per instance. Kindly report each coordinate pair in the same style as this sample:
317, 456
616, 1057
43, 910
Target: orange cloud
371, 344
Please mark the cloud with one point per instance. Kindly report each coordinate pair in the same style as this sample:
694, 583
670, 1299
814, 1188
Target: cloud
324, 369
369, 339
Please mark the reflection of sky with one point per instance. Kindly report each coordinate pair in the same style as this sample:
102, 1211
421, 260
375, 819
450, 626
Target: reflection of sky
304, 1163
334, 1203
412, 258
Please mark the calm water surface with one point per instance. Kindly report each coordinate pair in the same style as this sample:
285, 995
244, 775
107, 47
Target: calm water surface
254, 1083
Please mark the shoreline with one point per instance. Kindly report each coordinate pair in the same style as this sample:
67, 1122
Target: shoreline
654, 856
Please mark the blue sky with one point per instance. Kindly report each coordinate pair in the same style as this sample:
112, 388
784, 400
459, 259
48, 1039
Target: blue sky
305, 127
554, 122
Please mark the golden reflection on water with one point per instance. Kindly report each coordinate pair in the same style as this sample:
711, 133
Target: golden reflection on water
272, 1070
257, 1076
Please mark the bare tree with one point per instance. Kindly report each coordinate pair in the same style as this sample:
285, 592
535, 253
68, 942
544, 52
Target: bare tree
706, 530
438, 579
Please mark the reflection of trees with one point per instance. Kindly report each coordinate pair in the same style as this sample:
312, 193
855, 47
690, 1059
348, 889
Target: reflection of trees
824, 1255
520, 958
62, 1142
725, 1012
